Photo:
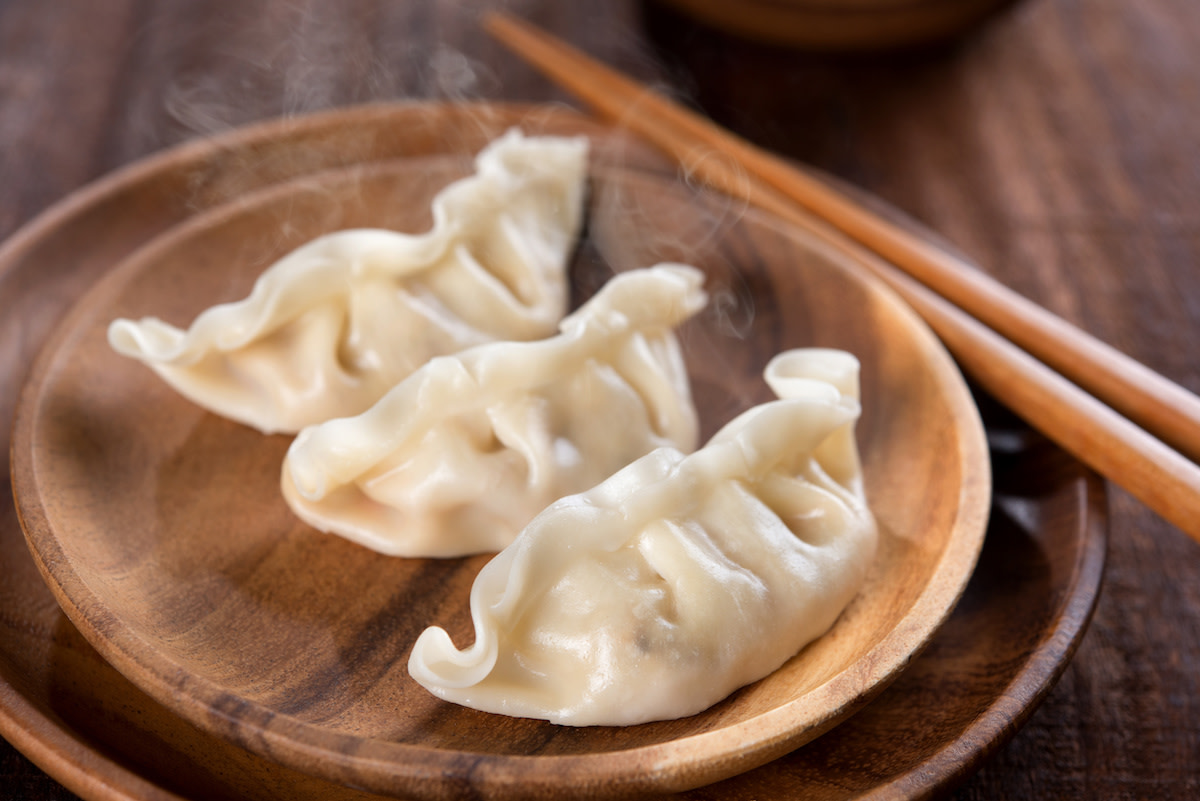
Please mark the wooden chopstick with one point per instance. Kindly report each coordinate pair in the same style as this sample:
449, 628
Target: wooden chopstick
1116, 448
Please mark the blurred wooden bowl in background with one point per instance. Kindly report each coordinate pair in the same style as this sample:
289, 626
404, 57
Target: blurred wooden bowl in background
843, 25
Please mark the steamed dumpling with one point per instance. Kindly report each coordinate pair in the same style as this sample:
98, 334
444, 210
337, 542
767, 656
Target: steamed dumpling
679, 579
459, 456
331, 327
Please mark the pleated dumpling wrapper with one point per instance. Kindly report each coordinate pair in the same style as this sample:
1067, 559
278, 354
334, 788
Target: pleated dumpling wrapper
463, 453
332, 326
679, 579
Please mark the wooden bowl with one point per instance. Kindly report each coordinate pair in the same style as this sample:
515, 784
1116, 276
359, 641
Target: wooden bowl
843, 25
161, 532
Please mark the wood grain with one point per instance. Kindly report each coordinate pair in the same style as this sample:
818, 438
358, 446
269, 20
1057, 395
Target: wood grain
162, 531
1054, 148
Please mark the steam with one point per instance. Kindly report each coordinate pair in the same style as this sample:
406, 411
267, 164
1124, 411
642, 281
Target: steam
454, 76
319, 62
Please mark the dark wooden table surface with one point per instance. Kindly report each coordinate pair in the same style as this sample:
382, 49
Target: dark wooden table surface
1057, 147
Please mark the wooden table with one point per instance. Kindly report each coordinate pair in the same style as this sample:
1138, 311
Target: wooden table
1057, 147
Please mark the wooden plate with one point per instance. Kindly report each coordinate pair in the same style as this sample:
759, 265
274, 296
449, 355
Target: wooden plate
162, 532
274, 735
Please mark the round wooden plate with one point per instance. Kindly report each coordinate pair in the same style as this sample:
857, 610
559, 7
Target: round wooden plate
165, 538
81, 222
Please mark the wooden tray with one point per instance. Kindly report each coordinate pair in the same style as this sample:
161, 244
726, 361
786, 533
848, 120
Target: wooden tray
1080, 554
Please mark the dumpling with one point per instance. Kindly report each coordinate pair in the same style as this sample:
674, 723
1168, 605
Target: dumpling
679, 579
459, 456
331, 327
